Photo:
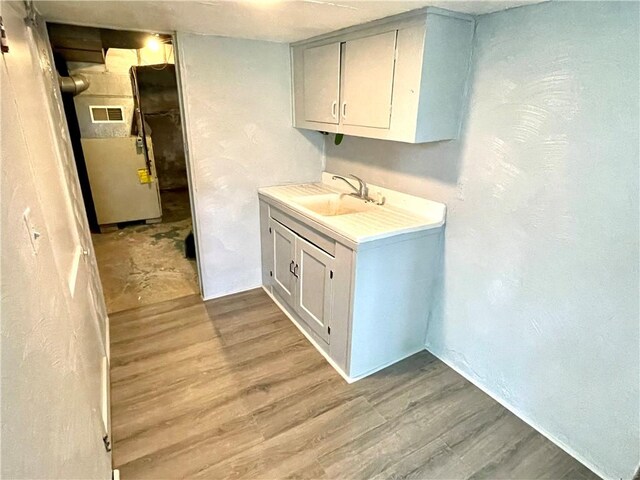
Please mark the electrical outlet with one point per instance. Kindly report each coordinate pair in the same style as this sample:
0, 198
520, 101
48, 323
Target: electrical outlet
34, 234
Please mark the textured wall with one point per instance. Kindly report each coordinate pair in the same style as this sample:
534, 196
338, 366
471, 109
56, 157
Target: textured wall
53, 316
238, 117
540, 297
168, 149
161, 107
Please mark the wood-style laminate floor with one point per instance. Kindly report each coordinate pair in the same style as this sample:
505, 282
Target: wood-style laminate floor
231, 389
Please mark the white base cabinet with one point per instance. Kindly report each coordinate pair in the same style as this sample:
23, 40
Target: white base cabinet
302, 277
364, 306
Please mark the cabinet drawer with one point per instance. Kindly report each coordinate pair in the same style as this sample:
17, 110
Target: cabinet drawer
312, 236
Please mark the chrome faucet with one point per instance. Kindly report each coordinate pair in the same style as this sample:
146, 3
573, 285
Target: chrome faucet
361, 191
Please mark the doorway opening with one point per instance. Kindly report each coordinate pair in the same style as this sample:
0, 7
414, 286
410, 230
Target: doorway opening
122, 105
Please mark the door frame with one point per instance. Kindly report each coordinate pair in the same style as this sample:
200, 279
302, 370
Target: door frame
186, 142
185, 138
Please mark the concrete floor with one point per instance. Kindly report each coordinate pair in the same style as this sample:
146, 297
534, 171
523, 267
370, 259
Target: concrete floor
144, 264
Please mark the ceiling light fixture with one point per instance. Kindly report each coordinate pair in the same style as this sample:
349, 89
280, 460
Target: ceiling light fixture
153, 43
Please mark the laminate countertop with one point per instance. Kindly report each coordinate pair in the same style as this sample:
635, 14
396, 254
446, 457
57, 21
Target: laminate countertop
400, 213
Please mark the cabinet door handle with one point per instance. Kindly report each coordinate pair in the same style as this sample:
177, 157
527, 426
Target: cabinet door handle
295, 271
334, 109
291, 266
344, 109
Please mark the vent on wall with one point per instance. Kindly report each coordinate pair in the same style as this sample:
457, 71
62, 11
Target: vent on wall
106, 114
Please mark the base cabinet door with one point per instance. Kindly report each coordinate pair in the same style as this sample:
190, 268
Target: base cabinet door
284, 254
314, 293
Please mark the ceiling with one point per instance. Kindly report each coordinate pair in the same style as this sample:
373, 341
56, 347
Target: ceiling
274, 20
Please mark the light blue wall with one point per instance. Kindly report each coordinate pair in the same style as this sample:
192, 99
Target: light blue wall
539, 303
236, 96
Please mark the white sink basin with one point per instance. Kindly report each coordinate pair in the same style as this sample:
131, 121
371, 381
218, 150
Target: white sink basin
333, 204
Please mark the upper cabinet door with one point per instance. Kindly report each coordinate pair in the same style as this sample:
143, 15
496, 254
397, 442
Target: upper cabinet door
368, 80
322, 83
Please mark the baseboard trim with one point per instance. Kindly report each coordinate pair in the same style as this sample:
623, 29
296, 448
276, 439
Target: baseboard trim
525, 418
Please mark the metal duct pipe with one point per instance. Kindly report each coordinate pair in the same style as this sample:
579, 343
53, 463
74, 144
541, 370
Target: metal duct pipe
74, 84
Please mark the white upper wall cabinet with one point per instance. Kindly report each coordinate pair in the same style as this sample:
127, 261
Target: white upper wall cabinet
321, 89
401, 78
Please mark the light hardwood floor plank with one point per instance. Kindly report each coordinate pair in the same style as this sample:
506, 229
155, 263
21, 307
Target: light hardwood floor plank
230, 389
300, 446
